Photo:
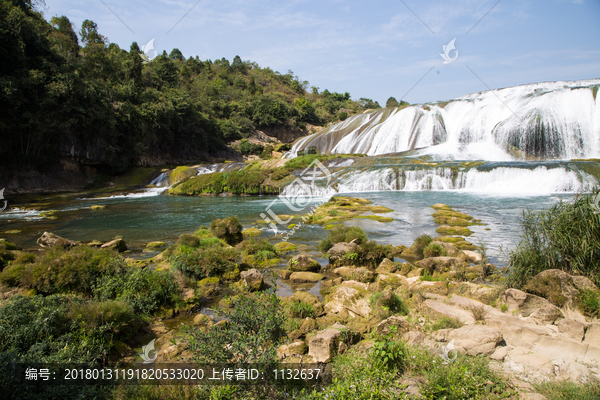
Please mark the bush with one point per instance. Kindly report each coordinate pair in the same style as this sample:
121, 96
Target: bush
252, 335
39, 329
566, 237
434, 250
228, 229
246, 147
388, 303
144, 290
590, 303
343, 234
203, 262
300, 309
254, 246
64, 271
389, 354
420, 244
266, 153
371, 253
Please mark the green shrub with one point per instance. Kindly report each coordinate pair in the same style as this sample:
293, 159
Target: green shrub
254, 246
434, 250
204, 261
245, 147
144, 290
388, 303
300, 309
565, 390
389, 354
420, 244
252, 335
371, 253
590, 303
59, 270
342, 116
188, 240
565, 236
343, 234
265, 255
228, 229
39, 329
465, 378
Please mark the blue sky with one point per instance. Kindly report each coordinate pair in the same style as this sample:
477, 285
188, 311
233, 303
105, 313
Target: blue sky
371, 49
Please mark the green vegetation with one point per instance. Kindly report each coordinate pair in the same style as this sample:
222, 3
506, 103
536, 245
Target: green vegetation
254, 331
369, 253
84, 93
565, 390
343, 234
229, 229
434, 250
446, 322
566, 237
421, 244
207, 258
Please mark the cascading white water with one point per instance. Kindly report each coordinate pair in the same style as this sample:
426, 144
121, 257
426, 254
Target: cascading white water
551, 120
500, 180
161, 181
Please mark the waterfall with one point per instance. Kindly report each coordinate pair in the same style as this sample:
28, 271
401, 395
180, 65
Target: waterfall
550, 120
161, 181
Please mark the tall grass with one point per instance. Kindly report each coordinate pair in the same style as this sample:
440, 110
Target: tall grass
565, 236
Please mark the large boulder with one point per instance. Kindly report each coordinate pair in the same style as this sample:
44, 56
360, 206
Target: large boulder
540, 310
303, 263
555, 285
49, 239
116, 244
349, 300
252, 279
323, 346
392, 325
292, 349
337, 254
356, 274
476, 340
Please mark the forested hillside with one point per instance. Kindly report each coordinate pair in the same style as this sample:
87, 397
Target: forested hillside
75, 94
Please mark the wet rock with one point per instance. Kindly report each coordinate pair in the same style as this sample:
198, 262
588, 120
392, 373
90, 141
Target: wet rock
305, 277
284, 273
49, 239
303, 263
116, 244
156, 245
308, 325
451, 250
252, 279
416, 272
202, 319
305, 297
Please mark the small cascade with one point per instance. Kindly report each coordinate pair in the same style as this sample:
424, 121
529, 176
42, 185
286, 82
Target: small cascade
208, 169
161, 181
499, 179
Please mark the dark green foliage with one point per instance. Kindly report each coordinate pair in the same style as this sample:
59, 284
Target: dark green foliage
566, 237
237, 182
109, 108
246, 147
371, 254
392, 102
59, 328
434, 250
343, 234
63, 271
420, 244
252, 335
213, 260
255, 246
389, 354
590, 303
388, 303
228, 229
144, 290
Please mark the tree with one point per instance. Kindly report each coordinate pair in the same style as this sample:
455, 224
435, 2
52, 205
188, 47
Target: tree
65, 37
368, 103
238, 65
176, 55
392, 102
89, 33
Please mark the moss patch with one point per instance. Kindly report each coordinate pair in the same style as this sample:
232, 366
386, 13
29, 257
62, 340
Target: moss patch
251, 232
454, 230
339, 209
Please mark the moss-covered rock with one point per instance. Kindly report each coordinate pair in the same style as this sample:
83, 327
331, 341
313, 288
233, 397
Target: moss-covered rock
454, 230
156, 245
251, 232
304, 277
285, 247
97, 207
302, 262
